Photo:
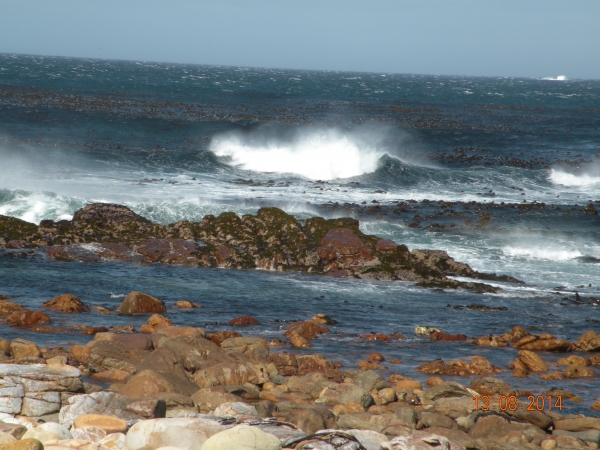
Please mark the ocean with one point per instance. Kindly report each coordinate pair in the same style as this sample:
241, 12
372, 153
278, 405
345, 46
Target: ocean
502, 173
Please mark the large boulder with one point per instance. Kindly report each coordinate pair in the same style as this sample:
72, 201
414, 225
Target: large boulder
587, 342
149, 383
25, 318
107, 355
102, 403
188, 433
66, 303
242, 437
140, 303
108, 424
209, 399
253, 347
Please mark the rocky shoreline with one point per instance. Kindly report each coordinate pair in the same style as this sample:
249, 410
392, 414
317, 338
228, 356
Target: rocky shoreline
174, 387
270, 240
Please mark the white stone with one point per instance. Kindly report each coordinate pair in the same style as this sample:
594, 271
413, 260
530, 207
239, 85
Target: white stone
41, 435
91, 434
10, 405
34, 407
104, 403
6, 438
12, 391
242, 437
371, 440
113, 440
38, 371
56, 428
188, 433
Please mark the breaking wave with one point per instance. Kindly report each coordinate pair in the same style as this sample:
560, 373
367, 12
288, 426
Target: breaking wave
570, 179
542, 253
316, 155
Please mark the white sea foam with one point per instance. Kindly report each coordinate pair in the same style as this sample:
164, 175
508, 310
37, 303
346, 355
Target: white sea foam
558, 176
317, 155
558, 78
542, 253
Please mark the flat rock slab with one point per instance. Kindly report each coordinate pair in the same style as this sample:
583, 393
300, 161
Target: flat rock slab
39, 371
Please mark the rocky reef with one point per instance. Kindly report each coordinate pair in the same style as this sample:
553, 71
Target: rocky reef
270, 240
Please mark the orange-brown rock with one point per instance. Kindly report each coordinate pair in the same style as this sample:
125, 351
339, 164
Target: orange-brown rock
24, 318
185, 304
222, 335
108, 424
140, 303
93, 330
587, 342
552, 376
179, 330
344, 246
594, 360
299, 341
7, 308
531, 361
376, 357
434, 381
397, 336
596, 405
478, 365
441, 336
542, 343
111, 375
369, 365
66, 303
396, 361
409, 384
576, 371
517, 332
573, 359
80, 353
306, 329
155, 321
375, 337
491, 341
243, 321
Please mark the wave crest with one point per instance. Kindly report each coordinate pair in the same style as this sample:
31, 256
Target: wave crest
570, 179
317, 155
542, 253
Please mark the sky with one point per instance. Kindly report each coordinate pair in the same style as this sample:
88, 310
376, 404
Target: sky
524, 38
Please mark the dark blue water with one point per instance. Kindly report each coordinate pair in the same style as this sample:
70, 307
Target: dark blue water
460, 164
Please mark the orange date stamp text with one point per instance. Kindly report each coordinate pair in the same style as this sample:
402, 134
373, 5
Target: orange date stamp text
511, 403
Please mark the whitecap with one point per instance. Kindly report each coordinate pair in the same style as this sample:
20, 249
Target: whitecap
542, 253
558, 176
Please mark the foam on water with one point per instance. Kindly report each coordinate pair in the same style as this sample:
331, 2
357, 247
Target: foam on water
542, 253
317, 155
563, 178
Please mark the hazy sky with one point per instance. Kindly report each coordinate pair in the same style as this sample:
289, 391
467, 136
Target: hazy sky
531, 38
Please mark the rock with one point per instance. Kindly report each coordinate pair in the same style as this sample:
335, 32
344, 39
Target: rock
407, 415
375, 337
548, 444
370, 440
586, 436
15, 430
25, 318
188, 433
299, 342
426, 331
431, 419
491, 386
594, 360
6, 438
155, 321
113, 355
113, 441
108, 424
111, 375
491, 341
376, 357
578, 424
89, 434
185, 304
419, 442
478, 366
66, 303
434, 381
242, 437
243, 321
573, 359
22, 349
102, 403
236, 409
532, 361
543, 343
360, 421
139, 303
222, 335
149, 383
370, 380
409, 384
441, 336
306, 329
309, 420
577, 371
180, 331
387, 395
346, 393
445, 390
48, 432
596, 405
80, 353
587, 342
210, 399
496, 428
323, 319
24, 444
253, 347
7, 308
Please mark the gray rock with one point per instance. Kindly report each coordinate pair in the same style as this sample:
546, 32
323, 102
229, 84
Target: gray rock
587, 436
370, 440
431, 419
370, 380
407, 415
104, 403
447, 389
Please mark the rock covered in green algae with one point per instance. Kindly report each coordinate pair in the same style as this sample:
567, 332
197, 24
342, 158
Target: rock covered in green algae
271, 240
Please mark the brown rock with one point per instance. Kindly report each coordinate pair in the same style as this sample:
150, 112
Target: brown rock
299, 341
354, 407
7, 308
66, 303
368, 365
24, 444
441, 336
243, 321
396, 361
532, 361
397, 336
542, 343
311, 420
478, 366
306, 329
375, 337
587, 342
594, 360
139, 303
434, 381
323, 319
24, 318
111, 375
596, 405
155, 321
491, 341
80, 353
185, 304
179, 331
148, 383
578, 424
107, 423
4, 346
576, 371
551, 376
91, 331
106, 355
349, 250
409, 384
376, 357
222, 335
22, 349
211, 398
573, 359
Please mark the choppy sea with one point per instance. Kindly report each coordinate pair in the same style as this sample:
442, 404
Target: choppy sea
499, 172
